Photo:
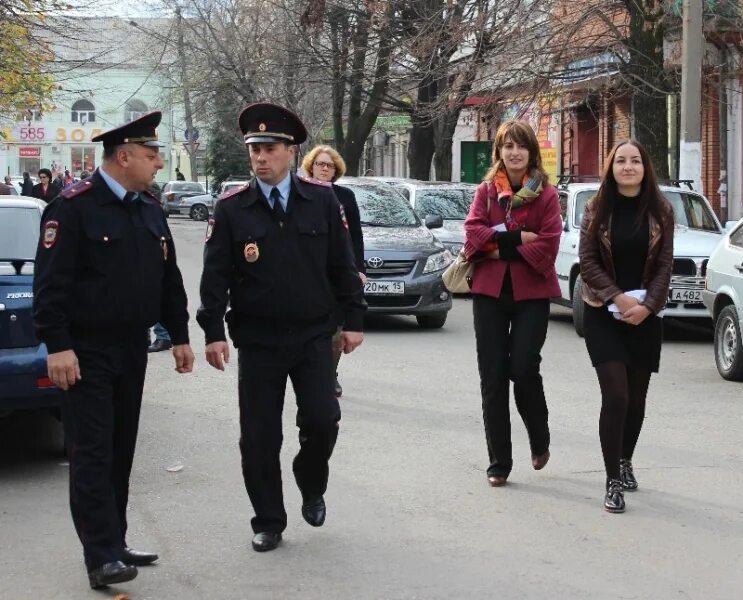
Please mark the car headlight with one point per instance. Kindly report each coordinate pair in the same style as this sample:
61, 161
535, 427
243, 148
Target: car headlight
438, 262
453, 247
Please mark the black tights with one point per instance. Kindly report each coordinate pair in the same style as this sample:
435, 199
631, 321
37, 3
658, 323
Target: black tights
623, 392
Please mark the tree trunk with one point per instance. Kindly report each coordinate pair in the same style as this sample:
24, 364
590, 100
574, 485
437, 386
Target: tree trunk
420, 148
651, 130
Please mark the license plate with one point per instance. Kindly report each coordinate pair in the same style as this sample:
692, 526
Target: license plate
384, 287
686, 295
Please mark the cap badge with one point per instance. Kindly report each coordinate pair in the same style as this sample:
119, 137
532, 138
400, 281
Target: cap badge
51, 228
262, 127
251, 252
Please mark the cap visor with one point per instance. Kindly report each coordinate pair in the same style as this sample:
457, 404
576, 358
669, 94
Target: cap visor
153, 144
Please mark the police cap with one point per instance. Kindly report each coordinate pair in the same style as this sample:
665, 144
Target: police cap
266, 123
139, 131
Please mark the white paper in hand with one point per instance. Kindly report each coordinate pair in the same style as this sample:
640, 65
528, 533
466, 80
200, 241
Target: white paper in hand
639, 294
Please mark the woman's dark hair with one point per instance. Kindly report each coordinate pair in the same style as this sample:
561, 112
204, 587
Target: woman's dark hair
651, 199
46, 172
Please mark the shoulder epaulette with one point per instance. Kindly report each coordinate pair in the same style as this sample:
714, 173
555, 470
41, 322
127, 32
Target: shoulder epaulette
77, 189
314, 181
234, 192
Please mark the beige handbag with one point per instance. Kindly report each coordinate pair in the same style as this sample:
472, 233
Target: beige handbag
458, 276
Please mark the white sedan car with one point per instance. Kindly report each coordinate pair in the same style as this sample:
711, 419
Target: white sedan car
723, 296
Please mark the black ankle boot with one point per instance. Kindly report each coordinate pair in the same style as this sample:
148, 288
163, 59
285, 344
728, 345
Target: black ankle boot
614, 499
627, 475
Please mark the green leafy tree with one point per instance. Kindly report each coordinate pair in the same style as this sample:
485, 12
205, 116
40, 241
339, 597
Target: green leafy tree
226, 155
24, 79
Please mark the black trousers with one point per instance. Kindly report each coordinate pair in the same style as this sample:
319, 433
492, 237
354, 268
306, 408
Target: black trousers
510, 336
263, 372
101, 417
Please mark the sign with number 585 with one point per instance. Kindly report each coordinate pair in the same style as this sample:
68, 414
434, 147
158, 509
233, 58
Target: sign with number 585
32, 134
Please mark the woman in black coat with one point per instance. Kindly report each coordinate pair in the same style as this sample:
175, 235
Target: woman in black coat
45, 190
325, 164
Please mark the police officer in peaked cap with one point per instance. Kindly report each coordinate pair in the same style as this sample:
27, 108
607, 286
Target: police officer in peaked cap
278, 254
106, 272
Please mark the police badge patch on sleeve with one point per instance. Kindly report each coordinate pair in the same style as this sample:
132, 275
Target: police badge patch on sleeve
51, 231
209, 229
343, 216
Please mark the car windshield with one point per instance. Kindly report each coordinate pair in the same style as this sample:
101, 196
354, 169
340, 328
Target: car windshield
383, 207
446, 203
690, 210
184, 186
581, 200
19, 232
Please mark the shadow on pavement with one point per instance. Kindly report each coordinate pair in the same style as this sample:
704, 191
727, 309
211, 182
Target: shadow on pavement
30, 438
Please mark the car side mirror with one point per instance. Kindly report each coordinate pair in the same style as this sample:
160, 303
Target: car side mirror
565, 226
729, 225
434, 221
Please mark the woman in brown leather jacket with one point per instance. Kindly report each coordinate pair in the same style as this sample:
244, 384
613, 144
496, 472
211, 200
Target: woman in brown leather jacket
626, 256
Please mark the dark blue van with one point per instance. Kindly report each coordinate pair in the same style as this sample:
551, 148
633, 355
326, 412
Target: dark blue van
23, 374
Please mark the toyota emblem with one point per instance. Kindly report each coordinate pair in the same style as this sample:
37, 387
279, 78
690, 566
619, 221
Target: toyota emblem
375, 262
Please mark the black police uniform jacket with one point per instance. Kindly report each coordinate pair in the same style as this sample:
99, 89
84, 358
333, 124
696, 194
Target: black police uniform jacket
281, 278
105, 270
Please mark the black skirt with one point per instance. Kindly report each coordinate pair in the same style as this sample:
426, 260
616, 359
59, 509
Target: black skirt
611, 340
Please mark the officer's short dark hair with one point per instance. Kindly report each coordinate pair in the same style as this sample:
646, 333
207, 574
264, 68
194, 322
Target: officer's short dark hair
110, 151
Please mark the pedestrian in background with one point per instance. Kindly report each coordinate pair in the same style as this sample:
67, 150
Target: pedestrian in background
27, 187
325, 164
277, 253
178, 175
512, 233
45, 190
105, 272
626, 259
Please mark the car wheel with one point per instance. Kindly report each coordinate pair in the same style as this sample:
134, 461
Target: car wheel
578, 306
728, 348
431, 321
199, 212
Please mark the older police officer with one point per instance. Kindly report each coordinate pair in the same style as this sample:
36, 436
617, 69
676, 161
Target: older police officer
278, 253
106, 272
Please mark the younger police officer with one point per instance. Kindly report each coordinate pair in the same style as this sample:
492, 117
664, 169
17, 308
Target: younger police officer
279, 254
106, 272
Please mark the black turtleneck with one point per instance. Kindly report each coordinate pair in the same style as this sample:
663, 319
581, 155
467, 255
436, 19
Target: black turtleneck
629, 243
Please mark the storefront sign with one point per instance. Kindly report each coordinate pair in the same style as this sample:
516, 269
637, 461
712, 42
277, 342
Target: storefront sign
28, 152
25, 133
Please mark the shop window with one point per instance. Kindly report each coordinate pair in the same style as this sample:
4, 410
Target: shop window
83, 112
82, 159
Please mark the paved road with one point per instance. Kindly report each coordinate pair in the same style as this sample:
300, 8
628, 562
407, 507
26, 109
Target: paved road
410, 513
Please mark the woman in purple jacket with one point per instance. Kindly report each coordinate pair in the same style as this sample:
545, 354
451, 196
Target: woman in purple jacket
512, 233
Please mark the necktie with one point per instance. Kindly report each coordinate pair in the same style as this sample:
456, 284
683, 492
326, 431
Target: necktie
278, 209
131, 197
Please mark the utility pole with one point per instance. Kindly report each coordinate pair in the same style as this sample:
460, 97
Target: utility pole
190, 141
690, 163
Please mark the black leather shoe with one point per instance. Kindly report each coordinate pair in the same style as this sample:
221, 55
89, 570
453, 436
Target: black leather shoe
138, 559
627, 475
160, 345
265, 541
110, 573
338, 388
614, 499
313, 511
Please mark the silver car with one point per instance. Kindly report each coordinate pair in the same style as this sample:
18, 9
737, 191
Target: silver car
404, 261
449, 200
